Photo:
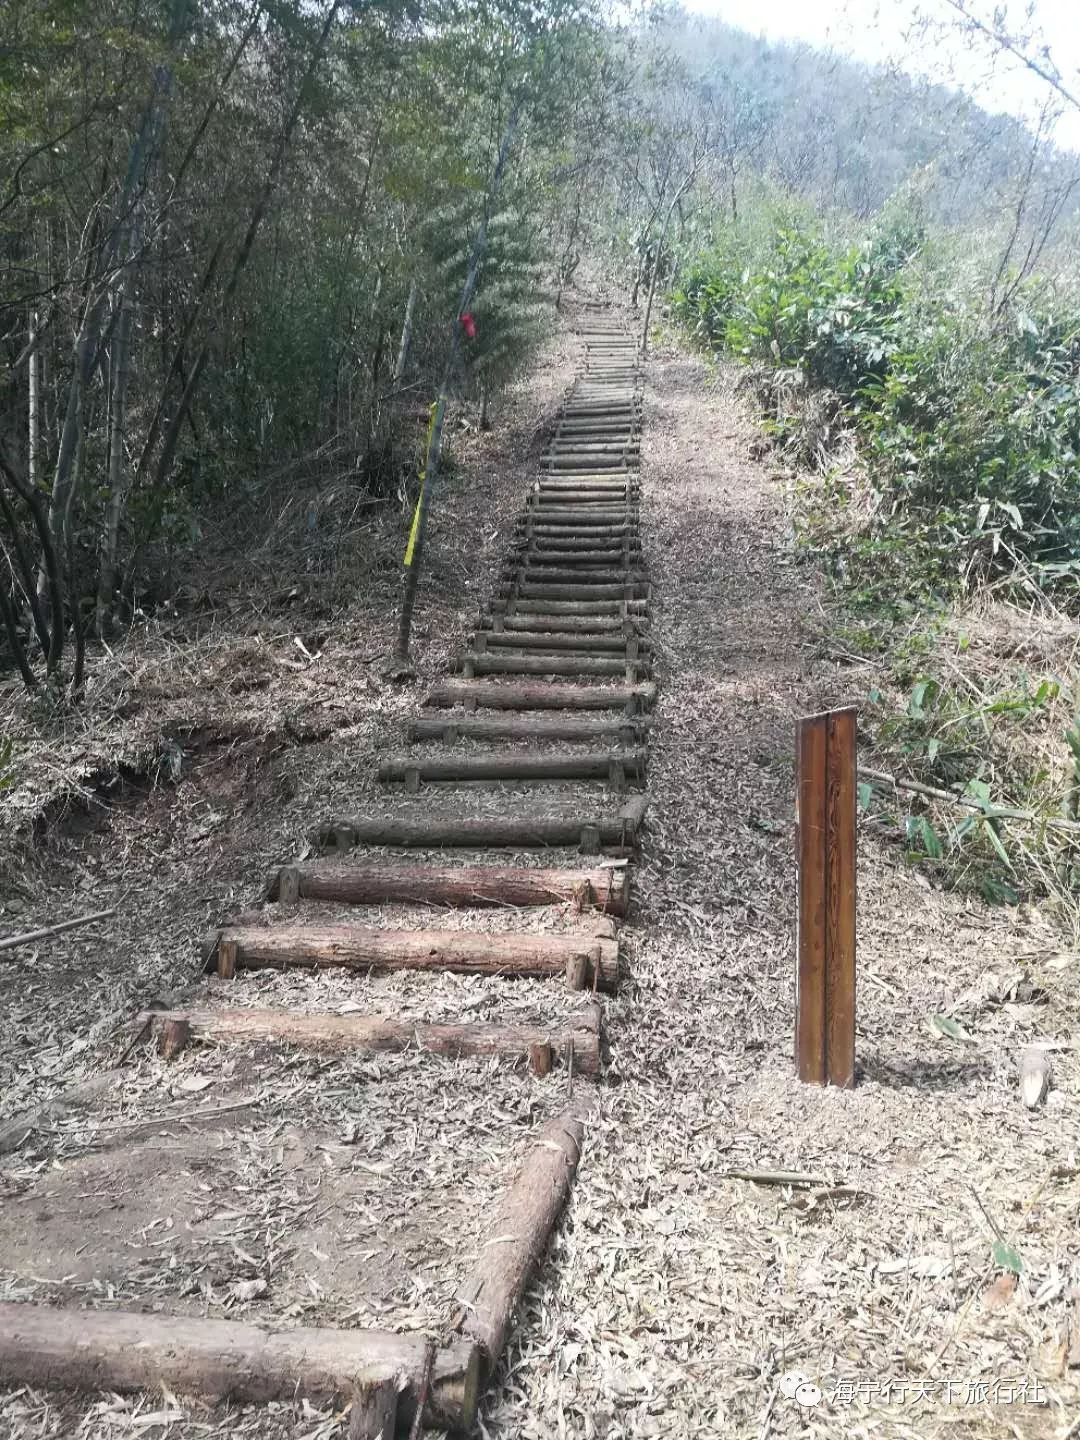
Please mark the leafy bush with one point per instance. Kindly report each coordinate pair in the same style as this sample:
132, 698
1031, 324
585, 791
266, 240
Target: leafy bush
968, 419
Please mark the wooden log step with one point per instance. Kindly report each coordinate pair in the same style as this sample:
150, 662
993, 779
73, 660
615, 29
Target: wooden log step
562, 624
542, 530
524, 606
581, 561
581, 487
481, 664
585, 558
540, 501
626, 728
555, 549
548, 490
607, 888
537, 640
46, 1347
578, 517
461, 952
496, 695
526, 573
538, 590
541, 533
590, 833
577, 461
589, 449
519, 1232
617, 765
375, 1034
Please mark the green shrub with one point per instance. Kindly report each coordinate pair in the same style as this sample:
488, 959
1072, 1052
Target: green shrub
969, 419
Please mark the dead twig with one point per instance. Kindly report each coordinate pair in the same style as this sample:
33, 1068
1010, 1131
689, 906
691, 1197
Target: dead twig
10, 941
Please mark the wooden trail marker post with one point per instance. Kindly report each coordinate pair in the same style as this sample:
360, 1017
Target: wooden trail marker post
825, 981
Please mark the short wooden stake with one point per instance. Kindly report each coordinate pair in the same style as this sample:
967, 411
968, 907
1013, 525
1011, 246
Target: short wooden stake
174, 1036
227, 952
540, 1058
373, 1413
825, 982
288, 885
577, 972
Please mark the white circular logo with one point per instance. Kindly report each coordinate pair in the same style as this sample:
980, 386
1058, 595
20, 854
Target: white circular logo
791, 1382
808, 1394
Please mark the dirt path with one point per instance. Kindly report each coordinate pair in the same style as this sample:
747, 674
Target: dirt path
677, 1296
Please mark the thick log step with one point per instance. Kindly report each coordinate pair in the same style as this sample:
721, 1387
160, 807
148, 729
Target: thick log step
535, 640
495, 695
619, 767
539, 590
525, 605
475, 663
358, 947
584, 515
375, 1034
562, 624
558, 545
525, 573
587, 728
544, 559
45, 1346
590, 833
607, 888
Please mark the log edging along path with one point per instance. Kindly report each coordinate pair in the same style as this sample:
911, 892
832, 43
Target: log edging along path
566, 629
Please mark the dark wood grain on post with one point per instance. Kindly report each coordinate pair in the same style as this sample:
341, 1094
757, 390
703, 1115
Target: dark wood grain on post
825, 999
811, 817
840, 901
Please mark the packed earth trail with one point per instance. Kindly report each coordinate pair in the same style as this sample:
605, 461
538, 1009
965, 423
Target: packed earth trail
366, 1119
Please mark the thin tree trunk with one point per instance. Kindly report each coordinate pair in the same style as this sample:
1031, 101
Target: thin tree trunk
110, 539
415, 553
172, 433
406, 332
34, 404
679, 193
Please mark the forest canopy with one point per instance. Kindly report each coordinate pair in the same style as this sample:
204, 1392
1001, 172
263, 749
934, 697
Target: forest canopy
235, 238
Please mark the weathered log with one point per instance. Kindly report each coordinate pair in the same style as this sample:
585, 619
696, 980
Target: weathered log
376, 1034
567, 537
13, 1132
559, 551
519, 1233
607, 888
537, 640
526, 576
627, 728
579, 765
358, 947
614, 831
526, 605
496, 695
482, 664
581, 516
538, 592
537, 623
45, 1347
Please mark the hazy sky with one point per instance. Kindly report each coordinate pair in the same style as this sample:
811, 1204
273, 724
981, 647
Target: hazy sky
883, 30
